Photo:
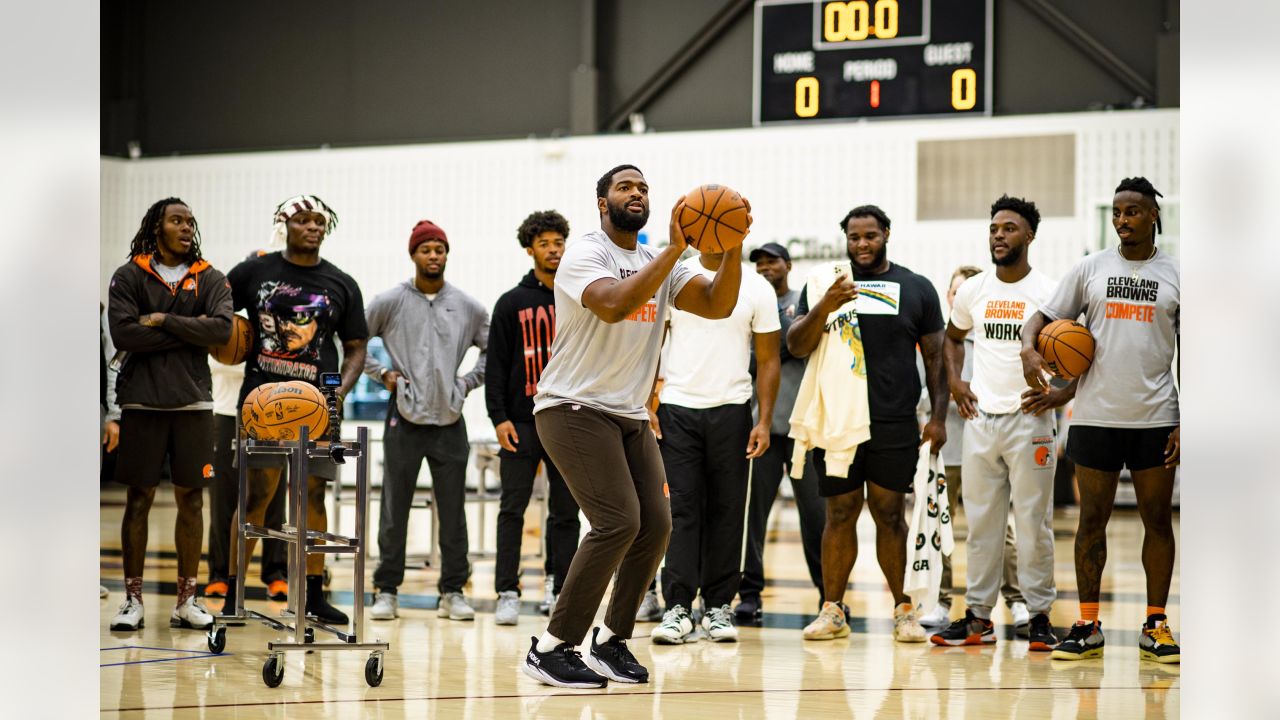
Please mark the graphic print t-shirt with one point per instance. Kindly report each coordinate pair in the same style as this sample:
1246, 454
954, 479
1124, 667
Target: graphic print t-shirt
1132, 309
996, 312
894, 309
296, 311
609, 367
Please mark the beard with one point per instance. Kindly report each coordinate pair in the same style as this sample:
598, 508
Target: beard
622, 218
1010, 258
876, 261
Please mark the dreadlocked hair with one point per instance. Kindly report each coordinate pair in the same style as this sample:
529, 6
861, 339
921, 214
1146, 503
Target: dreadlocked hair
146, 240
1143, 186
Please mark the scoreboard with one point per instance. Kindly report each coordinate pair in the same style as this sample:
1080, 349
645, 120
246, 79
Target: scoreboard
839, 59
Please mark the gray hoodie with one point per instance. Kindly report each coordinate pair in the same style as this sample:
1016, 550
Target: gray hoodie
426, 340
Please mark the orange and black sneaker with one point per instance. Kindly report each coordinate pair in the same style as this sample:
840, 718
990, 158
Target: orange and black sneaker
278, 590
1040, 635
1156, 641
968, 630
216, 589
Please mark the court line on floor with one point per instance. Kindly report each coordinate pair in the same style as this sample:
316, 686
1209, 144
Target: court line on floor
196, 655
594, 694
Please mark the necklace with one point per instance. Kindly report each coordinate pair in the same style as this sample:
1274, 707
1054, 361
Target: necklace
1136, 265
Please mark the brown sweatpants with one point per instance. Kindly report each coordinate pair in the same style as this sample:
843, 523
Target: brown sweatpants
614, 470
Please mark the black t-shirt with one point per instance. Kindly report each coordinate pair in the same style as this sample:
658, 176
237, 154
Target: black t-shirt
295, 311
895, 309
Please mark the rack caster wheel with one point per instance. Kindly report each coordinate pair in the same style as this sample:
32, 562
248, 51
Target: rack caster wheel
217, 640
373, 670
273, 671
309, 635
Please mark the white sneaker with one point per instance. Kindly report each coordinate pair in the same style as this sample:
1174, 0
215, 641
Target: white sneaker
650, 609
453, 606
130, 615
102, 591
190, 615
386, 606
906, 626
676, 628
508, 612
939, 616
1021, 618
717, 623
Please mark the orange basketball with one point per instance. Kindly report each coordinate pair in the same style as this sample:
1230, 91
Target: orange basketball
1068, 348
250, 411
236, 348
714, 218
283, 410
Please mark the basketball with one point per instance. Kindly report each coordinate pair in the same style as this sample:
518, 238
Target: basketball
281, 411
714, 218
236, 348
249, 411
1068, 348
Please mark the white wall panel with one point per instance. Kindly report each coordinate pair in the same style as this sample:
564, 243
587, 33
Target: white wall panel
801, 181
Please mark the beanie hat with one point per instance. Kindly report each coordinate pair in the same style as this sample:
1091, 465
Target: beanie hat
426, 230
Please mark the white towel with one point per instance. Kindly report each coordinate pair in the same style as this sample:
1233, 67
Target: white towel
931, 534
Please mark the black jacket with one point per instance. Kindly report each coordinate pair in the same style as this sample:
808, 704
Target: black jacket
168, 366
521, 329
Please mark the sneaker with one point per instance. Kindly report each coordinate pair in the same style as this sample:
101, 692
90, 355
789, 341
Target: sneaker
548, 595
968, 630
939, 616
906, 626
386, 606
717, 623
1156, 641
676, 628
613, 660
318, 606
453, 606
561, 666
1083, 641
508, 611
130, 615
1021, 618
278, 590
650, 609
102, 591
190, 615
749, 609
216, 589
829, 625
1040, 634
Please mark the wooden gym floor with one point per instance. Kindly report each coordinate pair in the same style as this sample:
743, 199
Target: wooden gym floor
440, 668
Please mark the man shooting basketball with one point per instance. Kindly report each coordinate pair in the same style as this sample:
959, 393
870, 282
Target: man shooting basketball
612, 295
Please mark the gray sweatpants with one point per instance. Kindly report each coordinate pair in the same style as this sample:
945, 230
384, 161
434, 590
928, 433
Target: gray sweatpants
1009, 457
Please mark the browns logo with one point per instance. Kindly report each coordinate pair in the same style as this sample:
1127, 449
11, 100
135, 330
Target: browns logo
190, 284
919, 540
933, 507
207, 471
1042, 456
937, 540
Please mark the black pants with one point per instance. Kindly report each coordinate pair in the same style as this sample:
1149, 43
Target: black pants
766, 475
446, 450
704, 453
517, 472
222, 505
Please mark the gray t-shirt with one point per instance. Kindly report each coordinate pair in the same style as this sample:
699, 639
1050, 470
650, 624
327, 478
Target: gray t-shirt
609, 367
1132, 309
172, 274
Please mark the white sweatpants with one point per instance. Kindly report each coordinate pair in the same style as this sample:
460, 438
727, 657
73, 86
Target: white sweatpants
1009, 458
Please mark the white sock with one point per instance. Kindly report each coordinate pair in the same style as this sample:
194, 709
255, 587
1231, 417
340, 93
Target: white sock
605, 635
548, 642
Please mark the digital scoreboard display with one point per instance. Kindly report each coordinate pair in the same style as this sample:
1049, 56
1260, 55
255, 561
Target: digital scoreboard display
837, 59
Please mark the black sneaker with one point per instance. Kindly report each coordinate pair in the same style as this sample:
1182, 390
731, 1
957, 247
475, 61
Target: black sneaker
613, 660
968, 630
749, 610
319, 607
1040, 636
1083, 641
561, 666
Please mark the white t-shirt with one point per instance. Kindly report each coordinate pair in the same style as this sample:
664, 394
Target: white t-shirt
609, 367
996, 311
1133, 310
226, 387
707, 362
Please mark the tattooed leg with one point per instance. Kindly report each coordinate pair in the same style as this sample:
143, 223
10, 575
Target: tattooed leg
1097, 497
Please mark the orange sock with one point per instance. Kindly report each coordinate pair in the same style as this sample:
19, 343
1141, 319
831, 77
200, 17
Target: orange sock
1153, 610
1089, 611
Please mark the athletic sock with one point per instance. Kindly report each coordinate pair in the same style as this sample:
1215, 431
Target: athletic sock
548, 642
1155, 610
605, 635
186, 589
1089, 611
133, 588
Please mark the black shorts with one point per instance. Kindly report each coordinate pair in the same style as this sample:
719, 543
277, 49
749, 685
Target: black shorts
146, 436
888, 459
1109, 449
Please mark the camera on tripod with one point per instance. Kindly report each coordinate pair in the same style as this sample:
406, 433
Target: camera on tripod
329, 384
